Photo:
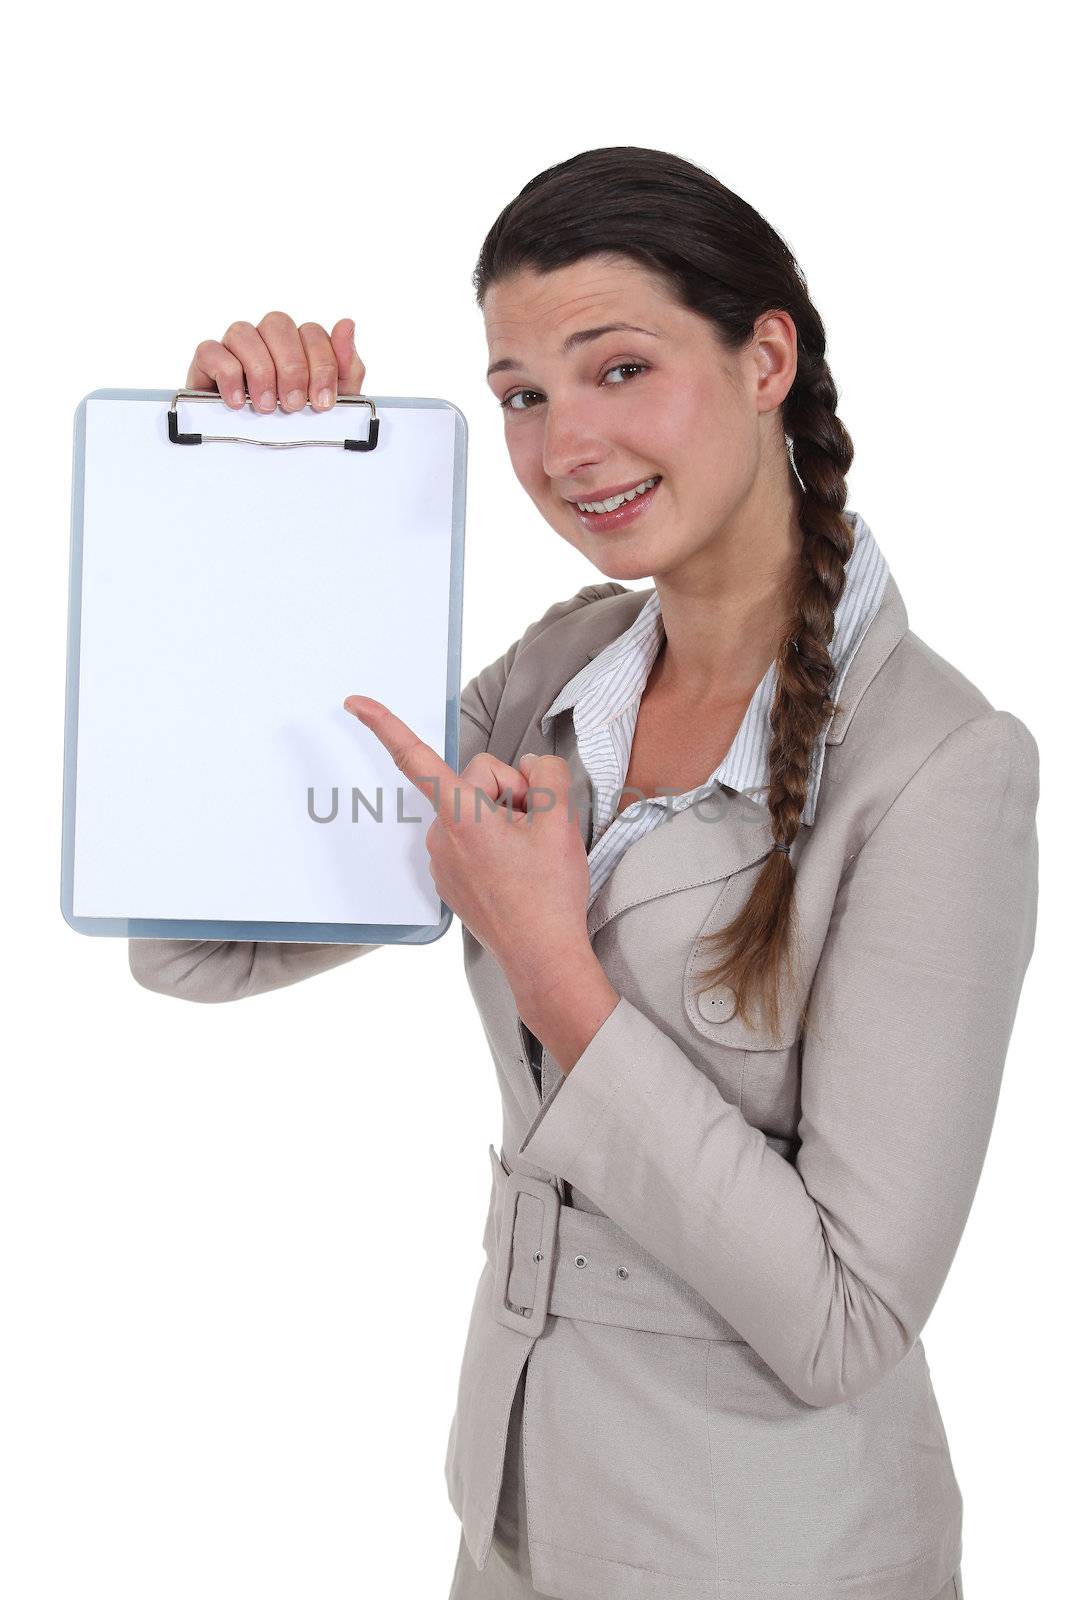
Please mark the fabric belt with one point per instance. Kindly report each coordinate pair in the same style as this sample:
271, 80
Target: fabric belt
555, 1260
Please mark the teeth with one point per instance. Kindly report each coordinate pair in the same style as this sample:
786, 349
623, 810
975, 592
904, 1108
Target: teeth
616, 500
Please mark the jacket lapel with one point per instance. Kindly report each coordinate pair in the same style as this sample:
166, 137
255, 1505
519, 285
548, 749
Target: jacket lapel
720, 835
884, 632
728, 831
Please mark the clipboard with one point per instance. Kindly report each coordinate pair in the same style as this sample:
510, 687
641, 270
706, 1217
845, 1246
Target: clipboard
233, 576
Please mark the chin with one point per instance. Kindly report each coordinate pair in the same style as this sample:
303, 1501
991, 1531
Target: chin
623, 566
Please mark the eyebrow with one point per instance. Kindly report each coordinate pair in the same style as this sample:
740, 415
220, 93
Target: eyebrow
573, 341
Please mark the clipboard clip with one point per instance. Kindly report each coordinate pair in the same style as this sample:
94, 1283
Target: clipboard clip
369, 443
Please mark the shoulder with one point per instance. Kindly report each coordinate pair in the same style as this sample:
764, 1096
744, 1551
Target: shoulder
921, 722
923, 698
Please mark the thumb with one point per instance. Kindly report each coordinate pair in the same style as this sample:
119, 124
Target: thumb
350, 369
546, 773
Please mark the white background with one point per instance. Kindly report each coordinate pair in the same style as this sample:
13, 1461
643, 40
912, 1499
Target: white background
239, 1243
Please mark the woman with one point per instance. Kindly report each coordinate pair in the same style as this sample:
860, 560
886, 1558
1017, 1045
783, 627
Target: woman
748, 1061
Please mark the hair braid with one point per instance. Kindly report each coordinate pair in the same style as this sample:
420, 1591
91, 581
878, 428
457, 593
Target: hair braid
760, 942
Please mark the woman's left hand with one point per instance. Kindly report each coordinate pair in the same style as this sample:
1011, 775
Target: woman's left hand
518, 878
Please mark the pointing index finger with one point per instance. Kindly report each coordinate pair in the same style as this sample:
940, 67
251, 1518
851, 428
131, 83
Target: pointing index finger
417, 760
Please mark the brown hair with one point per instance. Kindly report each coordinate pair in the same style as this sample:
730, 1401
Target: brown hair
719, 258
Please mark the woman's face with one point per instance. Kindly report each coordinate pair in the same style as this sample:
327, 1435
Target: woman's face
697, 416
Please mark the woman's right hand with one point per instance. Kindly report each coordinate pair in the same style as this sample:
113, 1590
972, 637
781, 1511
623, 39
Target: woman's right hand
278, 363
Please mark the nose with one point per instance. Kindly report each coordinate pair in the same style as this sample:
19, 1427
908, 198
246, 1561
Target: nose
570, 479
569, 449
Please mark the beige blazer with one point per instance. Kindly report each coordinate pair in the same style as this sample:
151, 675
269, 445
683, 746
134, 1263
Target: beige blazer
713, 1251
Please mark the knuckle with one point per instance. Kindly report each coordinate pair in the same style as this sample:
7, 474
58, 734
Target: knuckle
238, 330
277, 319
407, 757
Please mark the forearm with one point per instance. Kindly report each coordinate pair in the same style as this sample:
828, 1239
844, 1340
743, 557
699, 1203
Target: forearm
566, 1008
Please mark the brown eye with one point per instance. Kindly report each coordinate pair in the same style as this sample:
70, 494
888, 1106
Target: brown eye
620, 366
506, 404
627, 366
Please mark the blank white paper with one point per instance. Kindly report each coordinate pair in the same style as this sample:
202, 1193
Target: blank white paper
231, 598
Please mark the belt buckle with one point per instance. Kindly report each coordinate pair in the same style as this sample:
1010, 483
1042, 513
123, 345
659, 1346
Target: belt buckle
529, 1321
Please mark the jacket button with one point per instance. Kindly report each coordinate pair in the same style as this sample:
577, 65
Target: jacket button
717, 1004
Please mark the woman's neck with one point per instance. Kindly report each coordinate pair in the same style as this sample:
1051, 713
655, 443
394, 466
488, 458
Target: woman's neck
725, 623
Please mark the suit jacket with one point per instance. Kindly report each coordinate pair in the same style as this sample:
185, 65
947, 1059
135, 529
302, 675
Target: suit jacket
714, 1250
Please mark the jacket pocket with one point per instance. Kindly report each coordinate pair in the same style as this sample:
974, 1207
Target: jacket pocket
616, 1450
780, 1470
902, 1486
817, 1494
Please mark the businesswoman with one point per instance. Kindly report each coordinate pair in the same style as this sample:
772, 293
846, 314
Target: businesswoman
747, 942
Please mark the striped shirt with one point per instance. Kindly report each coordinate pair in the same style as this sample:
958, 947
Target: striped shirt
605, 695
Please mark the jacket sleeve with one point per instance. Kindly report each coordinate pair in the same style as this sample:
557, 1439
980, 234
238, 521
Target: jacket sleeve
830, 1268
212, 971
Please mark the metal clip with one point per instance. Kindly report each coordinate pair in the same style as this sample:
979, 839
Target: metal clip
369, 443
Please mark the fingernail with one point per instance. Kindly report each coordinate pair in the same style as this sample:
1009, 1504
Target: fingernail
324, 397
266, 400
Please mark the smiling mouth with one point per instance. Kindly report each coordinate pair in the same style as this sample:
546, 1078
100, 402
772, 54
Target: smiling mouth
606, 522
618, 498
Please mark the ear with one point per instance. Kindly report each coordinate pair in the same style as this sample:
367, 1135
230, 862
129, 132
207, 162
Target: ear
775, 338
